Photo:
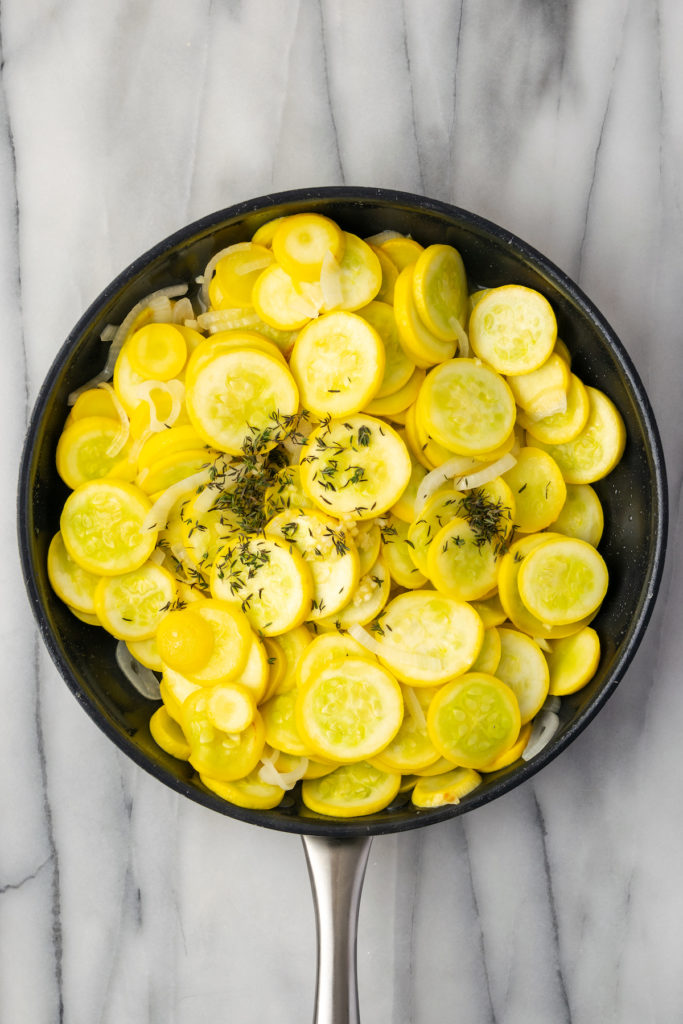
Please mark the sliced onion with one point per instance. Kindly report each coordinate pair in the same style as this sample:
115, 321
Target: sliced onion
157, 517
214, 320
107, 333
181, 555
269, 774
546, 724
552, 703
158, 556
558, 404
176, 391
140, 677
456, 466
121, 335
183, 311
161, 310
310, 294
396, 655
383, 236
463, 340
104, 375
414, 708
124, 429
330, 281
487, 474
211, 266
543, 644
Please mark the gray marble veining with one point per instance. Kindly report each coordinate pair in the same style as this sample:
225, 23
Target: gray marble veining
119, 123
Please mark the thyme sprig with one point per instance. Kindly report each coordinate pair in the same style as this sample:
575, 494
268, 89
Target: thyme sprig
489, 519
241, 484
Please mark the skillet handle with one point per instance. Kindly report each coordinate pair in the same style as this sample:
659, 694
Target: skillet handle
336, 868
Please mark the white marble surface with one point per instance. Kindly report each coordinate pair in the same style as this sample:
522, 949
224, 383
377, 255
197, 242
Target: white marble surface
119, 122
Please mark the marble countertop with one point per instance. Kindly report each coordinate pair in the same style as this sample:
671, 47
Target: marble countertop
122, 121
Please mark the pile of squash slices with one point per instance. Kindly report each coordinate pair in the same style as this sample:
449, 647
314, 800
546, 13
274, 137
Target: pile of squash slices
337, 512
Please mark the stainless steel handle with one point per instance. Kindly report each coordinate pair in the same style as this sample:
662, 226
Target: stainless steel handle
336, 868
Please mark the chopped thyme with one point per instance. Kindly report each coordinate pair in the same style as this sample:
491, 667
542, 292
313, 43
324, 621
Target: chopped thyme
488, 519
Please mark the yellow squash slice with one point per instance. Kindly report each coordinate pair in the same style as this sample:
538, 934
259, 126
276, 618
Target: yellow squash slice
350, 710
426, 638
597, 449
573, 661
473, 720
269, 578
352, 790
467, 407
440, 290
73, 584
513, 329
301, 242
103, 527
338, 364
329, 553
563, 580
523, 667
238, 393
355, 468
131, 606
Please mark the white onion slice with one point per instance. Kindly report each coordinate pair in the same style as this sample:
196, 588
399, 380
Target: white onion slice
161, 310
310, 294
330, 282
175, 389
214, 320
552, 703
487, 474
396, 655
463, 340
543, 644
211, 266
269, 774
140, 677
414, 708
456, 466
558, 404
182, 555
383, 236
124, 430
121, 335
546, 724
107, 333
183, 311
157, 517
206, 498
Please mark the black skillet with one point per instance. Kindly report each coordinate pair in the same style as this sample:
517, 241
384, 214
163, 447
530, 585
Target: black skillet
633, 497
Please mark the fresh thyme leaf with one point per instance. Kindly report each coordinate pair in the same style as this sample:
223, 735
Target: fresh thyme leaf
364, 434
